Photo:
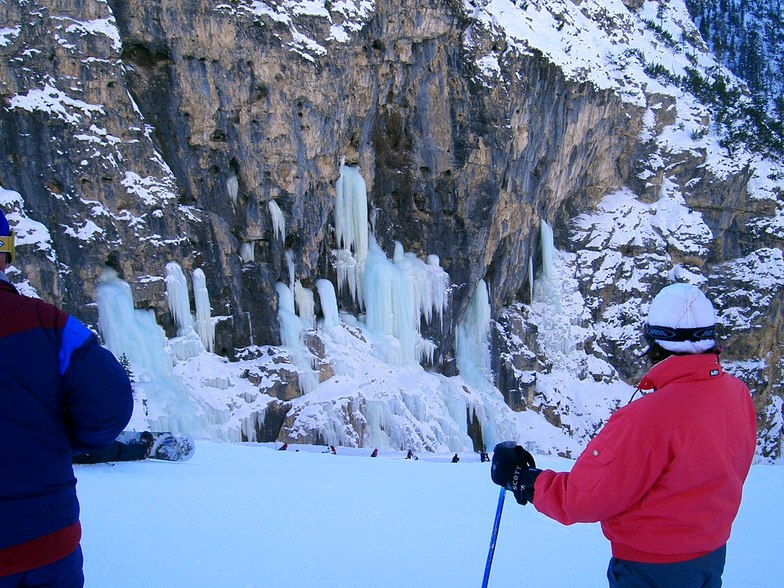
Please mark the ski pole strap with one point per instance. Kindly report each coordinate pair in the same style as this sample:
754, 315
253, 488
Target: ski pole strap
494, 536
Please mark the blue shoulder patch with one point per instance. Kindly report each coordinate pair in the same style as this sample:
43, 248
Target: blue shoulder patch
75, 334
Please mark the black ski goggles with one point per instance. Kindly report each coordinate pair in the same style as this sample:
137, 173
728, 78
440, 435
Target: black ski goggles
656, 332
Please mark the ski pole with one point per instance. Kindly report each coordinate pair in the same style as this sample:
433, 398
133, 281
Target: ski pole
494, 536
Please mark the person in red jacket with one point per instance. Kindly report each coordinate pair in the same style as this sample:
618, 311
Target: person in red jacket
60, 392
664, 475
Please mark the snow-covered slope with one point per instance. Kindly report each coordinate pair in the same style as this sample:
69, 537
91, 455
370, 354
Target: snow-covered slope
249, 516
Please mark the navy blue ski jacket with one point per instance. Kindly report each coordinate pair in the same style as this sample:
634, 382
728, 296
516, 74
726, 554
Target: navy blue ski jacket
60, 391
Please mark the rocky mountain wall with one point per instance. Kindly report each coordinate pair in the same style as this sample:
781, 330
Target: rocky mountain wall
193, 92
142, 132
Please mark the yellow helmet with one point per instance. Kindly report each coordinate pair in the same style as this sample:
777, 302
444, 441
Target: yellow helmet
7, 245
7, 237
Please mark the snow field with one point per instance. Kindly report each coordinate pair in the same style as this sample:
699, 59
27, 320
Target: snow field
247, 516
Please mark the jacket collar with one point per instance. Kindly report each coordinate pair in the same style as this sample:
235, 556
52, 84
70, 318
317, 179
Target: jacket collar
682, 368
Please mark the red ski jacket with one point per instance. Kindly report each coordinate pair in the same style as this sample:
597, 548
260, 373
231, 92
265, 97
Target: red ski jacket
664, 475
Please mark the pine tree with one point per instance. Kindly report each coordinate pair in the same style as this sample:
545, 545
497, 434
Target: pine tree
126, 365
747, 37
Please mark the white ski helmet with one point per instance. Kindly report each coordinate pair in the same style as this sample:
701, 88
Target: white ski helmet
681, 319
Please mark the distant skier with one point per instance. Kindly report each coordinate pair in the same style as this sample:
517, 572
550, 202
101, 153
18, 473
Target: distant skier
410, 454
664, 475
60, 391
375, 453
483, 457
455, 458
333, 450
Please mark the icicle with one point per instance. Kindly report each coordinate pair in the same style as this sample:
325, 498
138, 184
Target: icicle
306, 305
291, 267
250, 329
396, 294
351, 217
531, 279
548, 288
291, 333
348, 274
428, 283
247, 253
278, 220
425, 350
548, 247
351, 230
389, 310
127, 331
329, 303
187, 344
232, 185
177, 298
471, 337
285, 297
205, 327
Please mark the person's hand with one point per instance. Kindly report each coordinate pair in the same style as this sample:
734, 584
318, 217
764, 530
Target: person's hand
514, 469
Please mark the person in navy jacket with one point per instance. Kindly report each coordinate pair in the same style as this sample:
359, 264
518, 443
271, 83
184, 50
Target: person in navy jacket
60, 392
664, 476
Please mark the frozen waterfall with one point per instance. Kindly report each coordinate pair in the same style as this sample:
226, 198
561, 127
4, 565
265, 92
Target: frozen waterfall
278, 220
551, 290
351, 230
292, 334
473, 360
329, 304
205, 326
177, 298
247, 253
366, 402
471, 338
305, 304
136, 335
233, 185
399, 294
396, 294
187, 344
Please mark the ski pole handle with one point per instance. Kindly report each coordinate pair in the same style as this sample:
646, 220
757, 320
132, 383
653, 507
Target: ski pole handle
494, 536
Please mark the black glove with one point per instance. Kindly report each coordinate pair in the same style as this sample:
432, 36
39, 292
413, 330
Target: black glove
514, 469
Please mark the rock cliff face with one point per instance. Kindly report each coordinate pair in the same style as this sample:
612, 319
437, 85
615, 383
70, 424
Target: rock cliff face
140, 132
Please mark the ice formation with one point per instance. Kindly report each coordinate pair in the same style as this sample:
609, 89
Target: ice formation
471, 338
136, 335
472, 349
406, 407
398, 295
555, 332
329, 304
205, 326
187, 343
291, 267
247, 253
292, 334
232, 185
177, 298
351, 230
305, 304
278, 220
